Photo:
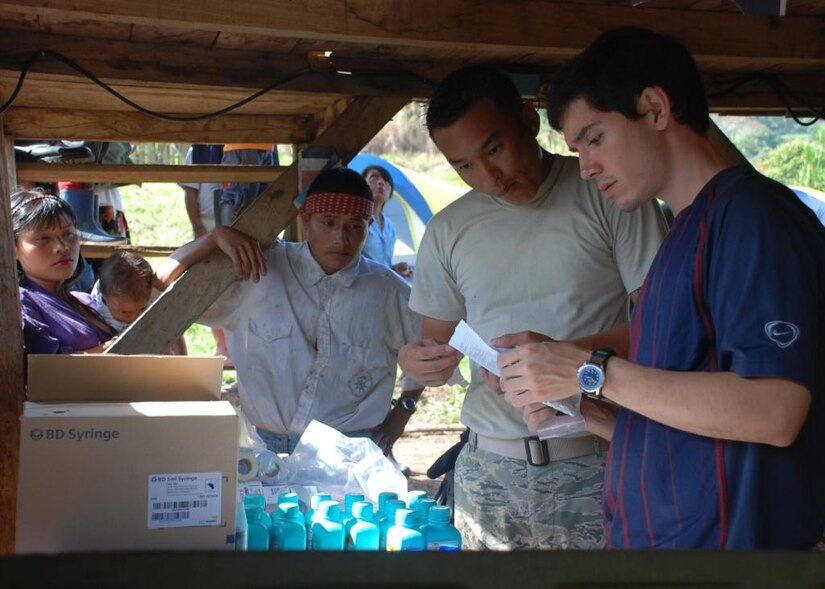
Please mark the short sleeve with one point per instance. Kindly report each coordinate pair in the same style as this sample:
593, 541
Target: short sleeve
435, 292
764, 310
637, 236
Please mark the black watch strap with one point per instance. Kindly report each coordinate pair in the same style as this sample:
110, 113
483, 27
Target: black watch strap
601, 356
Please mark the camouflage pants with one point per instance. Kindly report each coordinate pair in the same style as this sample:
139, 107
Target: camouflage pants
506, 504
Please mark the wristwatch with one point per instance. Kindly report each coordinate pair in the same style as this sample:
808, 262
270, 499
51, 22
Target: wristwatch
406, 403
592, 374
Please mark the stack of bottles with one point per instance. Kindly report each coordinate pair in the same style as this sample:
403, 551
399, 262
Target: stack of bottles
392, 525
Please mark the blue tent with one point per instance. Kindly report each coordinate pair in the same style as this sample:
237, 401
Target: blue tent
415, 200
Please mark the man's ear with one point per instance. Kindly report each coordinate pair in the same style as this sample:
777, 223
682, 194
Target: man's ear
305, 221
654, 103
530, 118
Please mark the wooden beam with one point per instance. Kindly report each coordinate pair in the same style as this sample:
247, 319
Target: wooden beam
190, 64
49, 123
74, 93
558, 29
137, 174
98, 250
11, 354
198, 288
724, 145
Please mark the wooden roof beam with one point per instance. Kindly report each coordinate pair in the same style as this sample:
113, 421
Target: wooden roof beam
209, 66
553, 29
136, 127
138, 174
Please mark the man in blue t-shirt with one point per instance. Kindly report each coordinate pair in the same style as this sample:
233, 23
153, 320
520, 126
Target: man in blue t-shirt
719, 437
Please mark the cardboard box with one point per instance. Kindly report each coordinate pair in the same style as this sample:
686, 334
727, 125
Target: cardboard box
127, 476
111, 378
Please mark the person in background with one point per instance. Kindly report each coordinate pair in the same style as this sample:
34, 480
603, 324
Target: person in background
316, 331
380, 243
721, 421
201, 199
532, 246
236, 196
125, 288
47, 251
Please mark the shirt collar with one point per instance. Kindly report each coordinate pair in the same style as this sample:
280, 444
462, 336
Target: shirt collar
310, 272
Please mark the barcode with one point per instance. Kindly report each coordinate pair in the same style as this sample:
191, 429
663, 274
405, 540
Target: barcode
166, 516
179, 504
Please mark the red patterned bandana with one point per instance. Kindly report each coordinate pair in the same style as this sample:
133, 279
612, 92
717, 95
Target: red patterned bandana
337, 202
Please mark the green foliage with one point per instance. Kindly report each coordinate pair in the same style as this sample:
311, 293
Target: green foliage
800, 161
156, 214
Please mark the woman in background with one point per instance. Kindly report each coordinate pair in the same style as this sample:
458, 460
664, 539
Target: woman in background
47, 250
382, 237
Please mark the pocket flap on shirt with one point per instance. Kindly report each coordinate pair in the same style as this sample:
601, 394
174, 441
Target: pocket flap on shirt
270, 330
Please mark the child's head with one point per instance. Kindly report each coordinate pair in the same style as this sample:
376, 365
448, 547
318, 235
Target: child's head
126, 285
47, 246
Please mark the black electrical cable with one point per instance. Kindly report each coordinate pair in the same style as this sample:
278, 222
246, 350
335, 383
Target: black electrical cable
182, 118
783, 93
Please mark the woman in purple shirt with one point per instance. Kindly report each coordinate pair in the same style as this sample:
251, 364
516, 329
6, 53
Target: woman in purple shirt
47, 248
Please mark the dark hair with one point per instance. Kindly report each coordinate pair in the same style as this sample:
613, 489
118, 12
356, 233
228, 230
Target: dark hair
612, 72
126, 273
341, 180
456, 93
383, 172
36, 209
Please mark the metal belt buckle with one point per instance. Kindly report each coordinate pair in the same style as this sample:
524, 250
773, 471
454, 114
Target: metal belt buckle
538, 454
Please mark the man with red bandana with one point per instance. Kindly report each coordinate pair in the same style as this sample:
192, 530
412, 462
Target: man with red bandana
316, 331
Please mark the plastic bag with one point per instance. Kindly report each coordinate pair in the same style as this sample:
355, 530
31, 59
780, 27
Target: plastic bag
563, 426
337, 464
255, 461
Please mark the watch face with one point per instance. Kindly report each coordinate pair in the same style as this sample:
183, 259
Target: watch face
591, 378
408, 404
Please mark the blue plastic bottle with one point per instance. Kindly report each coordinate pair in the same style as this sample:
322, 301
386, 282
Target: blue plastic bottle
258, 524
404, 535
288, 528
258, 501
422, 510
388, 520
290, 497
439, 533
413, 497
327, 531
314, 502
349, 500
383, 497
362, 531
241, 526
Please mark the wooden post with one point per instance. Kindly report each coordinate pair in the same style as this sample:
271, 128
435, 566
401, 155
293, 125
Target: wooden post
724, 145
11, 353
265, 218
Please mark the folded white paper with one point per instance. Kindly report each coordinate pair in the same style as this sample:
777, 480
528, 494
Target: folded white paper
469, 343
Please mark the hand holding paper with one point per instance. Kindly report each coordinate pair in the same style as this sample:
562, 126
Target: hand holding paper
469, 343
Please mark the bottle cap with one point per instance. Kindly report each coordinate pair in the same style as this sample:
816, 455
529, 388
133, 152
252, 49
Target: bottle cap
405, 517
316, 500
330, 510
439, 514
362, 510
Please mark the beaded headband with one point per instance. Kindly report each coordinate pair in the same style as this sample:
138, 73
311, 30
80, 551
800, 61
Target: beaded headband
338, 202
32, 199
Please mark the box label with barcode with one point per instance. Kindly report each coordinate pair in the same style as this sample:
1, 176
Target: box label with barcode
181, 500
